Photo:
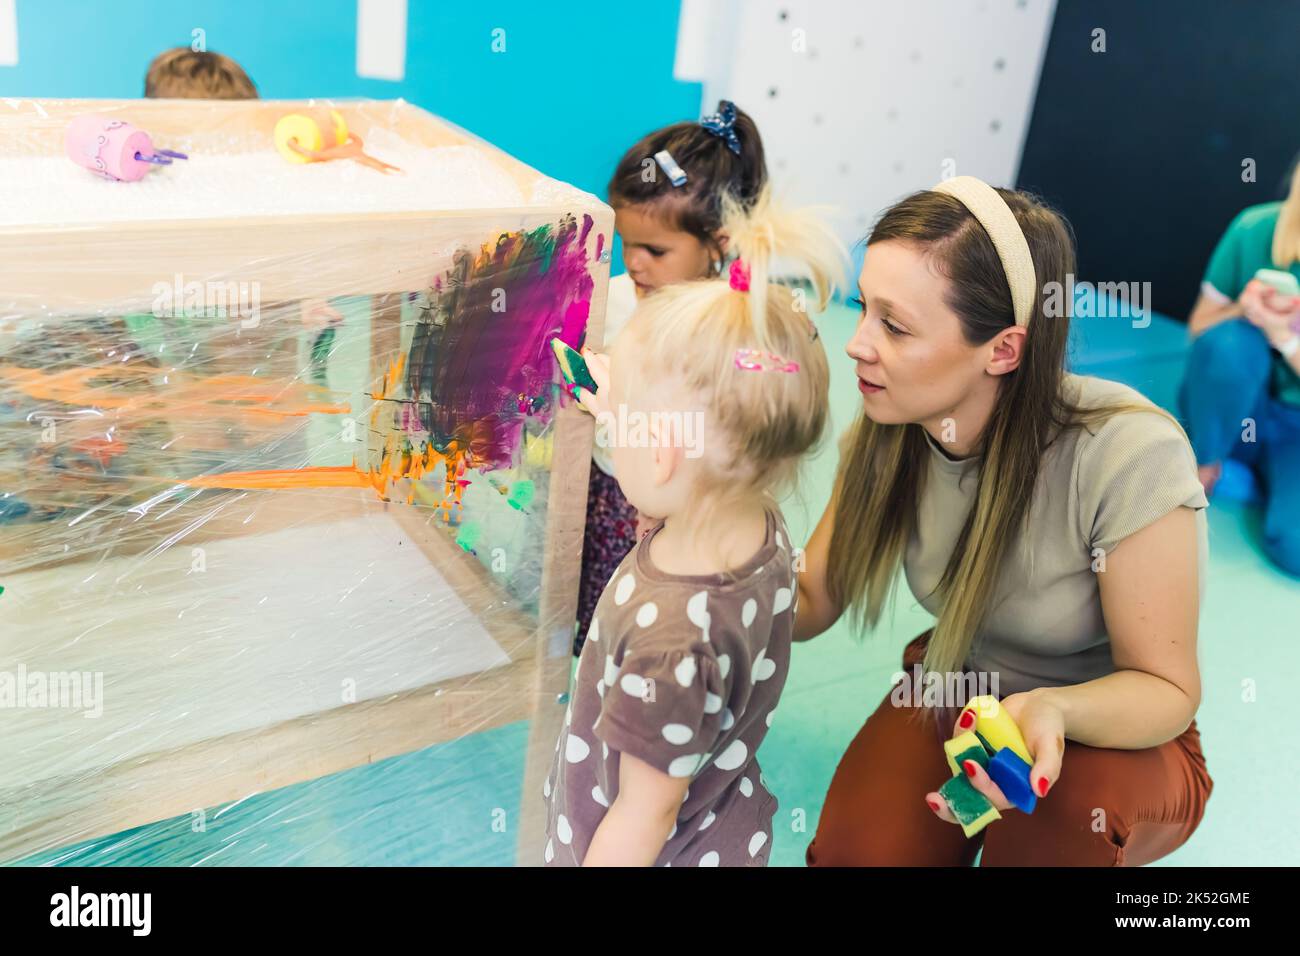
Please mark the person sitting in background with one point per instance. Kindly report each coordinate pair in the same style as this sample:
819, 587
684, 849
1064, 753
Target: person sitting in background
187, 74
1241, 395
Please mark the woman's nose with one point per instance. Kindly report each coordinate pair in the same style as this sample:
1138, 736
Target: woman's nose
860, 347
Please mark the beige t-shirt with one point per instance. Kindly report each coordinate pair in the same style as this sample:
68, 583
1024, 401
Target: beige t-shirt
1046, 627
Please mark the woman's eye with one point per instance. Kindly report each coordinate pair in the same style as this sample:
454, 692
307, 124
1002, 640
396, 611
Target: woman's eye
857, 300
654, 252
890, 327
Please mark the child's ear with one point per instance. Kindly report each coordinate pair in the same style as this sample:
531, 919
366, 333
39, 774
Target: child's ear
667, 453
721, 238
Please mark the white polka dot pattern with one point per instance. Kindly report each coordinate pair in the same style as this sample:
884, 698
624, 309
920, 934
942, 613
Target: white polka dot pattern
647, 614
623, 590
677, 734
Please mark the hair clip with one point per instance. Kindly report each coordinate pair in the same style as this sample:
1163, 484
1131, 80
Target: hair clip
676, 175
739, 277
723, 124
754, 360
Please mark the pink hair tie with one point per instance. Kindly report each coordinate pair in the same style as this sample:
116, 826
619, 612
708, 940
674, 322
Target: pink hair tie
754, 360
739, 276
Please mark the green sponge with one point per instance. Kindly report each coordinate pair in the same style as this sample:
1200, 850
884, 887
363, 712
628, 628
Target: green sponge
965, 747
971, 808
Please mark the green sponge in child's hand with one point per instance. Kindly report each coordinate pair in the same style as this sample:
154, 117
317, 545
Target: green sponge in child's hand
971, 808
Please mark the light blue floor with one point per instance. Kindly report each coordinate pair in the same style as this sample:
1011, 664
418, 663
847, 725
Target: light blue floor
438, 806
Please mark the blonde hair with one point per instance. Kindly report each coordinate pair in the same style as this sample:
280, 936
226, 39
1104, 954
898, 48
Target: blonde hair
1286, 235
188, 74
758, 423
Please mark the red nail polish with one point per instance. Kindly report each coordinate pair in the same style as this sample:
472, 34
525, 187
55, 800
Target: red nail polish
933, 804
969, 766
967, 720
1042, 786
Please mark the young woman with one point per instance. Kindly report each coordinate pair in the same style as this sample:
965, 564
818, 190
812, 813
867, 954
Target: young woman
1052, 523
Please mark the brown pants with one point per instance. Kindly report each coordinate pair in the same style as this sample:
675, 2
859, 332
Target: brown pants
1109, 808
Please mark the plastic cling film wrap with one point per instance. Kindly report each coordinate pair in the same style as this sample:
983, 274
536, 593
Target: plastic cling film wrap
288, 485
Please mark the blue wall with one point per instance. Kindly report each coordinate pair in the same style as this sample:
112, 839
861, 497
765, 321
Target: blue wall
578, 83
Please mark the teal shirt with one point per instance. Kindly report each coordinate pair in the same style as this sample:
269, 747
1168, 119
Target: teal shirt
1246, 248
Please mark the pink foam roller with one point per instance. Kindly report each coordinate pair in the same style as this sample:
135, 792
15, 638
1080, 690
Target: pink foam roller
109, 147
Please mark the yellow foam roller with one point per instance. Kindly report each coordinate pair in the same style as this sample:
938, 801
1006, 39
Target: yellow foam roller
304, 129
995, 725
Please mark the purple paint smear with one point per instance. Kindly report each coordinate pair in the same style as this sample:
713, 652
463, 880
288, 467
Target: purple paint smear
483, 338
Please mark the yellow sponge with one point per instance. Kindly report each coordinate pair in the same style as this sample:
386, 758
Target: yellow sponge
995, 726
965, 747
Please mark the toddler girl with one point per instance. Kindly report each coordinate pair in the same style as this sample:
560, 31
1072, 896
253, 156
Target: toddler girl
713, 393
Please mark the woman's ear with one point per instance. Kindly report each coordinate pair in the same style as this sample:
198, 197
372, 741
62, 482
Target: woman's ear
1008, 349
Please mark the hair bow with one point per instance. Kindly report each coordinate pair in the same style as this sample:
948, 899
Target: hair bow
723, 124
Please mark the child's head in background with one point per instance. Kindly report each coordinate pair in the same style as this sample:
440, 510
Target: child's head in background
188, 74
674, 233
728, 374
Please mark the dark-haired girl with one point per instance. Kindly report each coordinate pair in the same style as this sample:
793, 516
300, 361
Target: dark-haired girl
667, 196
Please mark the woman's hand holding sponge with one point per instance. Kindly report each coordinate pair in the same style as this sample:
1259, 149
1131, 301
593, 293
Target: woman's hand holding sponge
995, 766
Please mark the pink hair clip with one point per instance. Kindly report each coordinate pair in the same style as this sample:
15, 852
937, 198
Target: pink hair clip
739, 276
754, 360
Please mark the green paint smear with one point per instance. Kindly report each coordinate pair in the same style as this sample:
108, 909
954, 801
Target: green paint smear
469, 535
521, 494
546, 239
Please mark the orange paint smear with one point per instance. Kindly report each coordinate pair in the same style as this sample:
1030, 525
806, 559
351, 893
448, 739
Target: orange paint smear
184, 397
344, 476
395, 466
389, 382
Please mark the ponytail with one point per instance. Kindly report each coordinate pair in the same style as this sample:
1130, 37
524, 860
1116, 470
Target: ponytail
766, 232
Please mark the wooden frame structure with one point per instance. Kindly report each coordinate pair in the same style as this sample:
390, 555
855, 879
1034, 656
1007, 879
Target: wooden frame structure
369, 254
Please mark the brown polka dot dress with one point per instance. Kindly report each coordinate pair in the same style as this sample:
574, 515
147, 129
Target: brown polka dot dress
684, 673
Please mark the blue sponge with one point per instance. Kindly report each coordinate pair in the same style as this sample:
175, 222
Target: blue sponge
1011, 774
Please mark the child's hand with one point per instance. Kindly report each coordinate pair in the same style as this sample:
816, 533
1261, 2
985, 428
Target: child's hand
598, 366
1043, 726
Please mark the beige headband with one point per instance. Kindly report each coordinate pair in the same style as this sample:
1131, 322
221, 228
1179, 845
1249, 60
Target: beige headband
993, 213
